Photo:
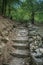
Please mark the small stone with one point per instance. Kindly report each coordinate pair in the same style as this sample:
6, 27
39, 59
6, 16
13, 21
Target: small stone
5, 40
41, 50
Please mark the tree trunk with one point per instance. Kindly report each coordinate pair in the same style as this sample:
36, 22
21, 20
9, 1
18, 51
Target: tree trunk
2, 6
32, 17
4, 3
9, 10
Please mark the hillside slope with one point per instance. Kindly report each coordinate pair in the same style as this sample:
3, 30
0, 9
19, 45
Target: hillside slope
6, 36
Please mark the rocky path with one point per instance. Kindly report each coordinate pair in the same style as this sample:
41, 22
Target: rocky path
16, 41
20, 47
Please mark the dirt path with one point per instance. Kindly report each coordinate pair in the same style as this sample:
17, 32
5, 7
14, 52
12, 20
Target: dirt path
41, 30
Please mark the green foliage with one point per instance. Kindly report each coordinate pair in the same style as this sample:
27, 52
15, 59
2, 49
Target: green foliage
22, 9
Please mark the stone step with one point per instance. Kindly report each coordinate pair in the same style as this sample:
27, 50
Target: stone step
25, 34
19, 61
20, 41
20, 46
22, 32
19, 53
22, 52
21, 38
21, 27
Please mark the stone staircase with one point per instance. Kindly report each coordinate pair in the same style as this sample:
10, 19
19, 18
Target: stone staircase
17, 41
20, 46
